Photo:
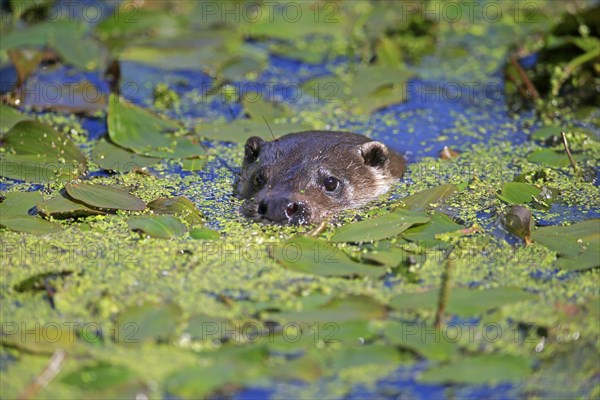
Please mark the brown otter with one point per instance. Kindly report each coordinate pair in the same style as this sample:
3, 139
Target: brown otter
304, 177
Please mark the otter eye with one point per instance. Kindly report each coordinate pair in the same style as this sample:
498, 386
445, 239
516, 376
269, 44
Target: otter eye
331, 184
259, 180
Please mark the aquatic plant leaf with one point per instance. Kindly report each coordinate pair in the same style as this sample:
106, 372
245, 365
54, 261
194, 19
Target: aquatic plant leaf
99, 376
351, 308
551, 158
144, 133
42, 339
517, 220
157, 226
428, 198
461, 301
204, 234
577, 244
480, 369
10, 117
352, 356
381, 227
194, 164
18, 204
38, 153
33, 225
180, 206
63, 206
547, 132
390, 258
239, 67
148, 321
318, 257
420, 338
104, 197
425, 234
235, 366
256, 108
84, 97
206, 328
240, 130
518, 193
114, 158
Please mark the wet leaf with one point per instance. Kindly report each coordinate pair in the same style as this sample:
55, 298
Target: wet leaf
139, 130
204, 234
234, 366
578, 244
257, 108
347, 357
547, 132
114, 158
351, 308
428, 198
237, 68
10, 117
390, 258
518, 193
461, 301
33, 225
480, 369
41, 338
18, 204
157, 226
63, 206
99, 376
308, 368
145, 322
194, 164
388, 53
240, 130
38, 153
552, 158
382, 227
422, 339
206, 328
83, 97
179, 206
425, 234
104, 197
313, 256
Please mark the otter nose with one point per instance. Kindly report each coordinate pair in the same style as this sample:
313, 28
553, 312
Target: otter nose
279, 209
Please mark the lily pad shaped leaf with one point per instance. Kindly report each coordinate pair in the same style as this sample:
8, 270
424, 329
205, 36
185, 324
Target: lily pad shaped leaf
425, 199
180, 206
18, 204
38, 153
421, 339
104, 197
318, 257
480, 369
114, 158
63, 206
146, 134
382, 227
10, 117
518, 192
33, 225
148, 321
461, 301
158, 226
351, 308
578, 244
99, 376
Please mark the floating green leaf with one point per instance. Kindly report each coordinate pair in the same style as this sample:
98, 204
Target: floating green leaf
480, 369
422, 339
349, 356
517, 221
34, 225
518, 192
194, 164
99, 376
158, 226
240, 130
204, 234
145, 322
18, 204
104, 197
180, 206
552, 158
428, 198
579, 244
313, 256
139, 130
10, 117
461, 301
425, 234
351, 308
382, 227
114, 158
547, 132
63, 206
38, 153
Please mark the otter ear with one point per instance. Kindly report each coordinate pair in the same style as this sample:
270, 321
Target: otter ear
374, 153
252, 149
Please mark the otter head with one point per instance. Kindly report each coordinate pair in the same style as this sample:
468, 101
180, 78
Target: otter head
307, 176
